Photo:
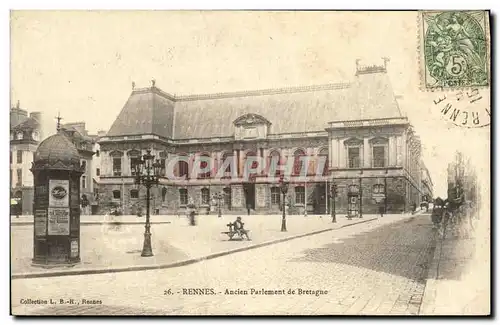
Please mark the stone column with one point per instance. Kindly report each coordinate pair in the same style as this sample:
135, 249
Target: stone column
342, 154
391, 155
366, 153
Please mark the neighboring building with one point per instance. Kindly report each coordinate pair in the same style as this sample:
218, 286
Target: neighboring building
371, 148
427, 184
25, 134
85, 143
462, 179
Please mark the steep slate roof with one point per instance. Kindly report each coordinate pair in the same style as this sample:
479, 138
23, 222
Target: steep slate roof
290, 110
147, 111
27, 124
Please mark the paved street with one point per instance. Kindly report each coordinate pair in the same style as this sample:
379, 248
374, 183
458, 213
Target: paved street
110, 246
377, 267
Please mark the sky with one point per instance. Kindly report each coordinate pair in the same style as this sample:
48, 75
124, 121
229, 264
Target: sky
82, 64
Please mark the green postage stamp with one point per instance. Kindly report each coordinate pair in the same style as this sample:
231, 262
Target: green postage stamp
454, 49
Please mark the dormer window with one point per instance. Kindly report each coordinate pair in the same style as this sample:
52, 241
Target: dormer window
19, 136
35, 135
251, 126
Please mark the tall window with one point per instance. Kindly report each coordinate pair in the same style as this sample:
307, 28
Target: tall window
275, 195
205, 196
251, 163
378, 153
97, 153
98, 172
117, 194
163, 166
227, 197
300, 195
204, 165
83, 163
96, 194
19, 177
117, 166
354, 157
378, 189
183, 168
134, 194
297, 162
275, 157
226, 159
19, 156
10, 157
183, 196
84, 182
323, 155
134, 165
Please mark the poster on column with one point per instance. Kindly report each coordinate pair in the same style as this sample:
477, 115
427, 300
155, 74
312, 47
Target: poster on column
58, 221
58, 193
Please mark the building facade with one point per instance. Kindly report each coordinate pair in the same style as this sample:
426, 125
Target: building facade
25, 134
85, 144
238, 144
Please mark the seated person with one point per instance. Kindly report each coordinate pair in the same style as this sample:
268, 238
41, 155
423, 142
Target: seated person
238, 227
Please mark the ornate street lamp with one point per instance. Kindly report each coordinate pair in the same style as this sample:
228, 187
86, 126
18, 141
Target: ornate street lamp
284, 190
333, 195
147, 174
219, 197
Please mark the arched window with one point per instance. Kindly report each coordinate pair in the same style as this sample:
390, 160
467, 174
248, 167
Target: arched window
183, 167
204, 164
251, 163
274, 163
300, 195
226, 159
275, 195
323, 155
205, 196
297, 162
19, 136
134, 194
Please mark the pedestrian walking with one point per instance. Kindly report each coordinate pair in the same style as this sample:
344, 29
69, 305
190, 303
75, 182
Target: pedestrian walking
381, 210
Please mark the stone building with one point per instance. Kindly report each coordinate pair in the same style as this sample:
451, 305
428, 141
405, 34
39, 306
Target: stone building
85, 144
371, 151
25, 134
427, 184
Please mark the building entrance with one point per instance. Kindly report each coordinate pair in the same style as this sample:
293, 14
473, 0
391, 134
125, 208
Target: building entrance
320, 199
249, 190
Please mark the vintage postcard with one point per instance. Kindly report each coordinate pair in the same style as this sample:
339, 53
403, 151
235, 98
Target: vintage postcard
250, 163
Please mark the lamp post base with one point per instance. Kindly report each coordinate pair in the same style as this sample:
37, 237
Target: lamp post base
283, 225
147, 250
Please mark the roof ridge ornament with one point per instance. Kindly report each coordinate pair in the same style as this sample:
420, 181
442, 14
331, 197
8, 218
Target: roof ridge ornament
58, 118
374, 68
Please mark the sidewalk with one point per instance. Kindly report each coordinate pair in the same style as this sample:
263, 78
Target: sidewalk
86, 220
459, 277
117, 248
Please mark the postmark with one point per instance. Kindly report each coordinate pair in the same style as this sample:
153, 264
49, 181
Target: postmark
454, 49
465, 108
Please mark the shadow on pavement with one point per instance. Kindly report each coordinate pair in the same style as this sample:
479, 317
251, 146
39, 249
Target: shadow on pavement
404, 248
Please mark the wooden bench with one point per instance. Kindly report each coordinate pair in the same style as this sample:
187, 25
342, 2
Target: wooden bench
232, 232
